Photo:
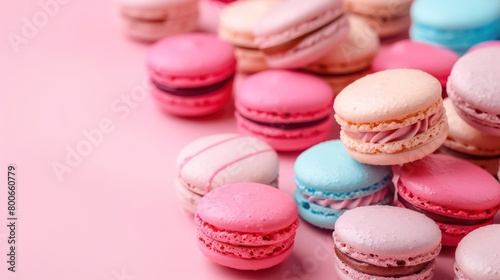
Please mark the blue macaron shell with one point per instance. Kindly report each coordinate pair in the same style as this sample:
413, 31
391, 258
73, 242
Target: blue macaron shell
456, 24
327, 167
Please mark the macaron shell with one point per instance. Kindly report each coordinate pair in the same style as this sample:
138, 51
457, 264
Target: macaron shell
353, 54
474, 79
339, 82
248, 207
281, 96
433, 59
464, 138
152, 31
250, 60
365, 230
189, 200
191, 60
193, 106
215, 160
453, 234
487, 44
328, 167
208, 19
454, 181
387, 95
490, 164
378, 7
286, 139
244, 264
477, 255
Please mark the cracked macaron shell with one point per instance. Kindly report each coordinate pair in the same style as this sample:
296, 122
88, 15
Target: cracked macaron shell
282, 96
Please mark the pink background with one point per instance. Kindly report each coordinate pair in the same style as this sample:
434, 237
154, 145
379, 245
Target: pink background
114, 214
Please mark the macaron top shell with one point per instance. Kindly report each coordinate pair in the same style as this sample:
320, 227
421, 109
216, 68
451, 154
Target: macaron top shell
475, 79
239, 18
387, 96
288, 19
191, 60
388, 232
482, 143
151, 3
451, 183
292, 96
455, 14
433, 59
328, 167
248, 207
215, 160
478, 254
487, 44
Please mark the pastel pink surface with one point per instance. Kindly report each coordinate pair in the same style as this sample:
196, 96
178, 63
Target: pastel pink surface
367, 230
477, 256
191, 60
270, 95
268, 209
117, 211
473, 86
487, 44
210, 11
449, 182
433, 59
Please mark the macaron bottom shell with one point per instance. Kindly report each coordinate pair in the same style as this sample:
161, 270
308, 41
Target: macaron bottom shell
192, 106
244, 264
453, 234
286, 139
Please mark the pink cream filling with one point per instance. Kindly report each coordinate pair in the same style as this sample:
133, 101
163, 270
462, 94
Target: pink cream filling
403, 133
349, 203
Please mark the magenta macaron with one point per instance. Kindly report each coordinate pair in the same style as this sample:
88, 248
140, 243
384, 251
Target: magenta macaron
288, 110
246, 226
474, 87
191, 74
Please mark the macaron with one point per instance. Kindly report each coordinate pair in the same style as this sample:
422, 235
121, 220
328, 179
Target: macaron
289, 110
385, 242
456, 24
477, 256
459, 196
473, 86
487, 44
470, 144
433, 59
329, 183
191, 74
350, 60
236, 27
387, 17
210, 12
391, 117
246, 226
295, 33
150, 20
212, 161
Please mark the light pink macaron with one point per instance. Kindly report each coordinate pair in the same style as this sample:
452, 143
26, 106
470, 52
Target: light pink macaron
487, 44
191, 74
289, 110
150, 20
385, 242
474, 86
246, 226
295, 33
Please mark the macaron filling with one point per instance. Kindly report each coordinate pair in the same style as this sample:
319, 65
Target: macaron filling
287, 126
193, 91
366, 200
398, 134
385, 271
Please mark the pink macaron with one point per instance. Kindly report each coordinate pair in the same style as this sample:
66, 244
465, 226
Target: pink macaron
459, 196
477, 256
246, 226
385, 242
433, 59
192, 74
474, 86
487, 44
150, 20
289, 110
215, 160
295, 33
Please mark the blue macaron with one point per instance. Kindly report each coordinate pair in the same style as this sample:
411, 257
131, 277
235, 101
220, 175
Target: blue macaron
329, 182
456, 24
